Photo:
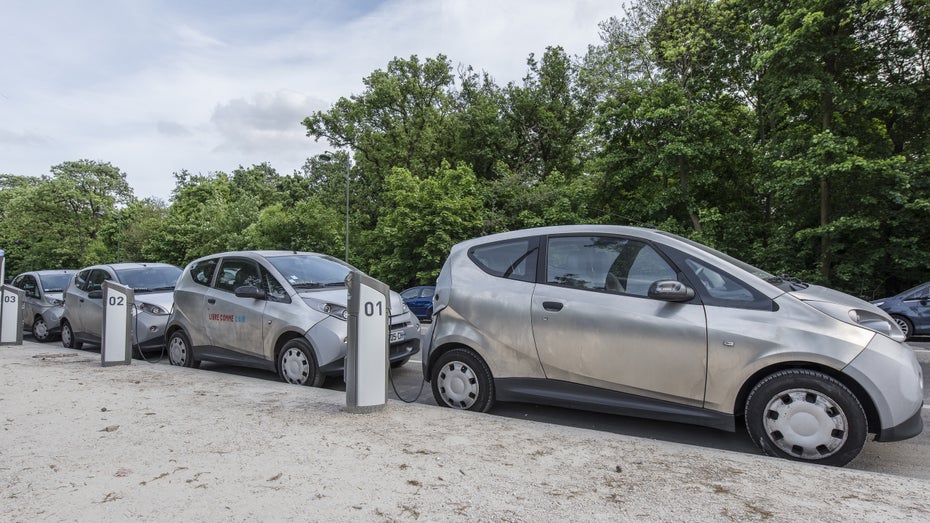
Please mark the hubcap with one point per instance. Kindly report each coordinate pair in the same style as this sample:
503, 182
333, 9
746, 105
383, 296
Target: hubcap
806, 424
40, 329
295, 367
177, 351
458, 385
66, 335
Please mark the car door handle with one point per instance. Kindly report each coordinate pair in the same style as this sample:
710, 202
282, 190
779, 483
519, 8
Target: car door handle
552, 306
211, 301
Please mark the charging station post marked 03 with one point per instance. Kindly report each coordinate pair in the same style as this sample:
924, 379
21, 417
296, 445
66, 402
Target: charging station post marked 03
366, 368
116, 342
11, 315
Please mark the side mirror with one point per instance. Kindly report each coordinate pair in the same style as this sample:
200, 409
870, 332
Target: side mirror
670, 290
95, 295
250, 291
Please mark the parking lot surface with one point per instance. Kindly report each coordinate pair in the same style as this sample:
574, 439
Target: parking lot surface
157, 442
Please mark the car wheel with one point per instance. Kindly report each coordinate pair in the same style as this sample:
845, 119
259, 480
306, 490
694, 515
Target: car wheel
179, 350
906, 327
40, 329
297, 365
67, 336
462, 380
805, 415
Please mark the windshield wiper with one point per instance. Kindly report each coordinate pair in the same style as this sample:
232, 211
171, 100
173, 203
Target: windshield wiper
793, 282
334, 284
307, 285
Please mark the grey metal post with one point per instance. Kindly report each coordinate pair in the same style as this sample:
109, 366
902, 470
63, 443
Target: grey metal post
116, 340
366, 367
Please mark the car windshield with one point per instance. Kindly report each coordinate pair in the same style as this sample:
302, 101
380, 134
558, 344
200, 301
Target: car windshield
304, 271
54, 282
149, 279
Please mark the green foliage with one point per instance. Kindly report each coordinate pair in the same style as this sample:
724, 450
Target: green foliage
794, 135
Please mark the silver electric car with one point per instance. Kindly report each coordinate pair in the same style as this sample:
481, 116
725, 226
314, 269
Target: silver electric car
43, 304
644, 323
153, 287
282, 311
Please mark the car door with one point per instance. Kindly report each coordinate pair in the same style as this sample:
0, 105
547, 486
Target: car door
234, 323
90, 309
595, 325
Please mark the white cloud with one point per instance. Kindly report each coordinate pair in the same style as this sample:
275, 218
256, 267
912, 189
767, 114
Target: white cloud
157, 86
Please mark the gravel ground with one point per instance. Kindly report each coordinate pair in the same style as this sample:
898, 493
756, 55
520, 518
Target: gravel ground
82, 442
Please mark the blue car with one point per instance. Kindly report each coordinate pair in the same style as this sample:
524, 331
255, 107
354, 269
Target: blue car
420, 300
910, 309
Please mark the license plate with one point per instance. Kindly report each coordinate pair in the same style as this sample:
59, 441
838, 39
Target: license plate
397, 336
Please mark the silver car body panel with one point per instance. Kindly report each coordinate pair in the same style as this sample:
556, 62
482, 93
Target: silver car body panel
698, 354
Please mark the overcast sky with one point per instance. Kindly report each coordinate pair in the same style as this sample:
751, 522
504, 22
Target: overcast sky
157, 86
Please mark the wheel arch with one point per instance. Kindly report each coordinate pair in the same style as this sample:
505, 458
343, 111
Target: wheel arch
287, 336
871, 412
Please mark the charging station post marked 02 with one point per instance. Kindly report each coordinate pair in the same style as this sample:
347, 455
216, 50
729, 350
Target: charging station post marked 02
116, 342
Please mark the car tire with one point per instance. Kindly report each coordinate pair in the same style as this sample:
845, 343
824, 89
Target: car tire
805, 415
67, 336
40, 329
462, 380
905, 324
180, 352
297, 364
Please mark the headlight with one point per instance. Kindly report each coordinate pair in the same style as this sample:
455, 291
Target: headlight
153, 309
867, 319
336, 311
55, 303
877, 323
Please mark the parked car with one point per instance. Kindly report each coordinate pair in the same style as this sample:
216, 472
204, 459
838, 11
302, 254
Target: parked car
641, 322
153, 287
43, 304
420, 300
910, 309
282, 311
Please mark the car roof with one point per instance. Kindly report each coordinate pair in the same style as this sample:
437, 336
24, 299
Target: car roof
49, 271
129, 265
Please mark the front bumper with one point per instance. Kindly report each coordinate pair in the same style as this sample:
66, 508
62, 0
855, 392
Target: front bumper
907, 429
148, 330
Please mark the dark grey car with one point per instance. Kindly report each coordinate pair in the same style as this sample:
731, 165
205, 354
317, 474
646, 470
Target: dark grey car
640, 322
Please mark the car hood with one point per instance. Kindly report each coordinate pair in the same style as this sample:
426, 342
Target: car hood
162, 299
54, 296
825, 294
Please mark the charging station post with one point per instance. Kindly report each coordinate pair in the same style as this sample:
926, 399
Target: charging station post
366, 369
116, 342
11, 315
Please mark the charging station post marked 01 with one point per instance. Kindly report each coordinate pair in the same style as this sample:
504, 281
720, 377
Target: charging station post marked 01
366, 368
116, 343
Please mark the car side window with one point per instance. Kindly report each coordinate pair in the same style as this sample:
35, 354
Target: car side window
80, 281
511, 259
718, 284
919, 294
202, 272
273, 288
96, 279
609, 264
409, 293
28, 285
237, 273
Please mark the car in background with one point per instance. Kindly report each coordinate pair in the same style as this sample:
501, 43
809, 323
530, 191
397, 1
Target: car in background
420, 300
43, 304
910, 309
282, 311
641, 322
153, 290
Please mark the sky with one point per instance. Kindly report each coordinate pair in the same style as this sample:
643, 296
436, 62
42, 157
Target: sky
154, 87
